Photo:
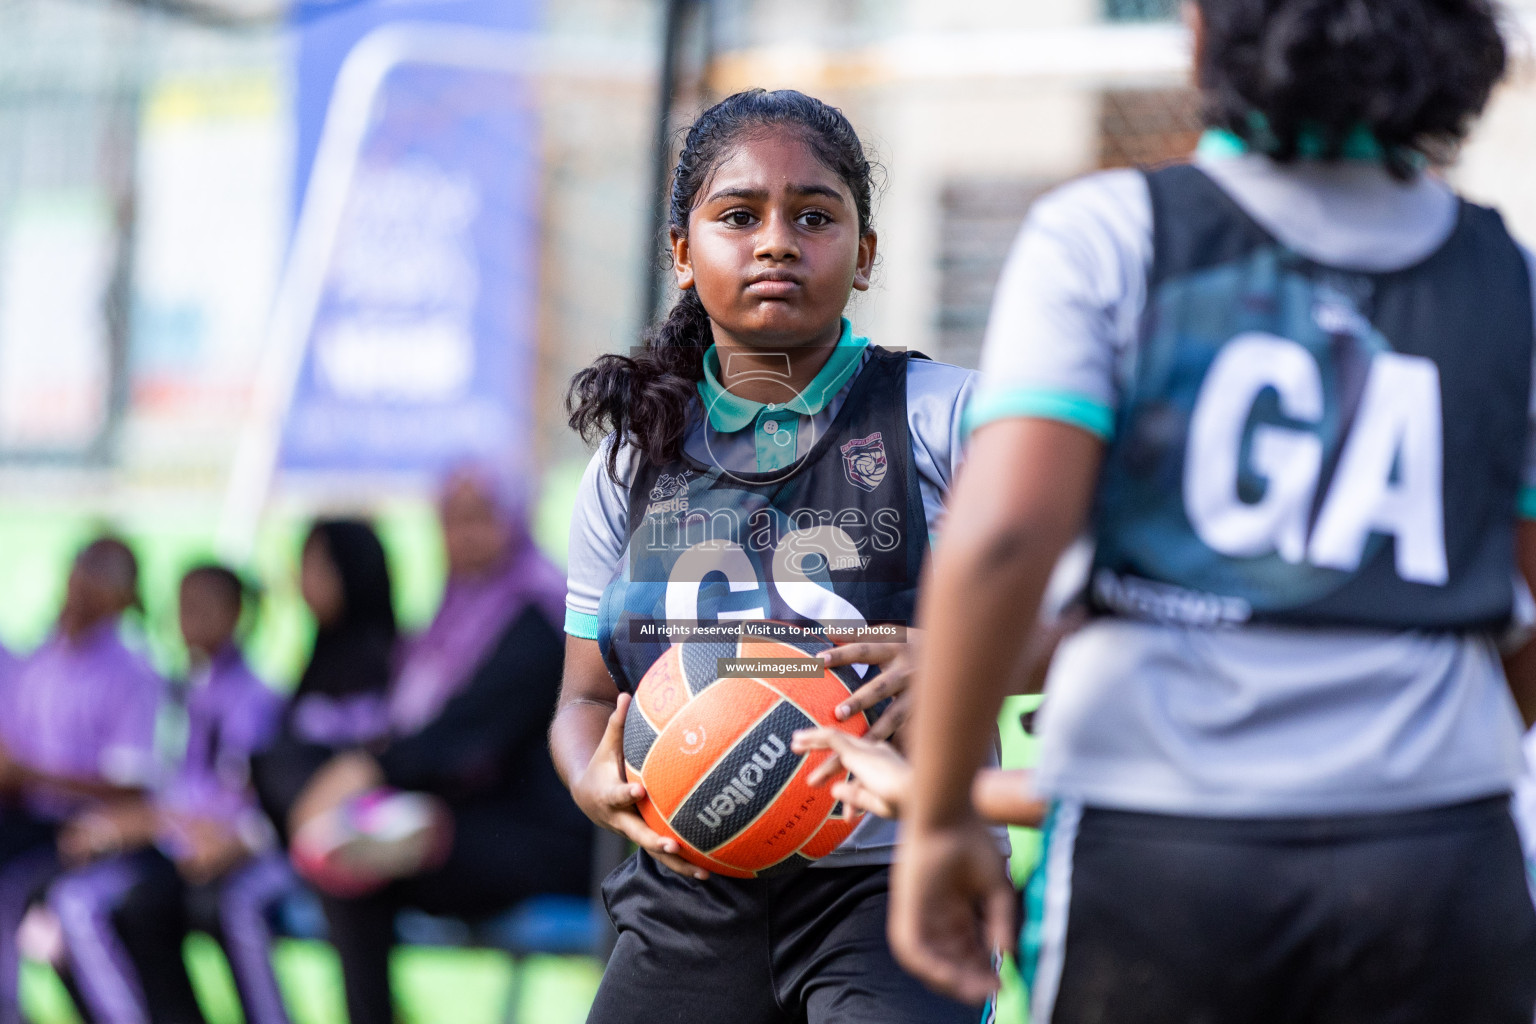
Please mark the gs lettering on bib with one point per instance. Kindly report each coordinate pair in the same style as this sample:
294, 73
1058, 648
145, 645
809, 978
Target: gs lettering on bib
1300, 443
839, 536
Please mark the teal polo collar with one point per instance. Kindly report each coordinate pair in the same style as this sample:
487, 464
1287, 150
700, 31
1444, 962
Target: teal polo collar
1219, 144
729, 413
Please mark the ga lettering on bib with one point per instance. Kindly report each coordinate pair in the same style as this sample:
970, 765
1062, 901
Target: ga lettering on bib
1305, 444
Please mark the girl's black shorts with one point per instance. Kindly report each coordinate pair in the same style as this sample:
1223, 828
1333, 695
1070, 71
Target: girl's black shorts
805, 948
1420, 917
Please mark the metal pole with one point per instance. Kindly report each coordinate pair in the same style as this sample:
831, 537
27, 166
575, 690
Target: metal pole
676, 24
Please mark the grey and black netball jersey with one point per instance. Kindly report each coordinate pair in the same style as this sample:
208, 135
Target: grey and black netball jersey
1252, 719
603, 521
840, 534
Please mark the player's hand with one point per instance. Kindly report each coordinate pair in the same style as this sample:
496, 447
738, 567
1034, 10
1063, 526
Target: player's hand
880, 774
951, 907
895, 661
605, 795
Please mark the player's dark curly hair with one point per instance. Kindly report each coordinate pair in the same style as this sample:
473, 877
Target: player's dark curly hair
645, 398
1414, 73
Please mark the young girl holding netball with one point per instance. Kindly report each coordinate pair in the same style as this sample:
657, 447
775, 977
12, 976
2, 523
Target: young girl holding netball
751, 403
1288, 390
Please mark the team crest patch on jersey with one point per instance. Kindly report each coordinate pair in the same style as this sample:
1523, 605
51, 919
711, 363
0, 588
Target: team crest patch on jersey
864, 461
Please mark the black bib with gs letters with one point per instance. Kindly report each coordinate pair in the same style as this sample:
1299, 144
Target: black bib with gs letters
838, 536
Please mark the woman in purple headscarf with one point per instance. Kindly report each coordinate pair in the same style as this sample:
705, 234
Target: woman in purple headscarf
460, 811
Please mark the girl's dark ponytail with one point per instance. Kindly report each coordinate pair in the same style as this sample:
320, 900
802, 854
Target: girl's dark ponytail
645, 399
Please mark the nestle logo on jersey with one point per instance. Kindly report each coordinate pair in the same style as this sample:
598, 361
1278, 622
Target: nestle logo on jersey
740, 790
669, 494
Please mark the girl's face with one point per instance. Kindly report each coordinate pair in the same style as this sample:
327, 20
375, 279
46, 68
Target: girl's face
320, 583
773, 245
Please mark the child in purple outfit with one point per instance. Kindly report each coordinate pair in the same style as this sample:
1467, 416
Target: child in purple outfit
77, 730
197, 853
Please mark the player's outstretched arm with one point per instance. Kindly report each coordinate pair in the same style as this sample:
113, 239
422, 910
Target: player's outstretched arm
894, 660
881, 778
586, 741
1004, 796
1022, 497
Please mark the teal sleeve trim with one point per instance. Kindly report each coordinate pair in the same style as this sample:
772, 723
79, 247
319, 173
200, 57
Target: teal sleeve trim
1525, 506
581, 625
1067, 407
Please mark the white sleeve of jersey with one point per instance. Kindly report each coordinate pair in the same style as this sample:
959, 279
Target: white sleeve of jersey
599, 529
1066, 311
937, 397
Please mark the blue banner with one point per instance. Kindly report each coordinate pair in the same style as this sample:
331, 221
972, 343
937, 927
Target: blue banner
418, 202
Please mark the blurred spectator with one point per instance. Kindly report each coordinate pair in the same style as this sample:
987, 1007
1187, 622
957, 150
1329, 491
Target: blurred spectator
340, 700
345, 582
198, 852
461, 812
77, 732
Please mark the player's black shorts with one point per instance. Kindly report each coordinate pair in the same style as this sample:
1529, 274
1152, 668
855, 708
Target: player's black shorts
1422, 917
807, 948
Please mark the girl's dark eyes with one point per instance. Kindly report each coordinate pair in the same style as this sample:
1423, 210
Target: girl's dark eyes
746, 218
